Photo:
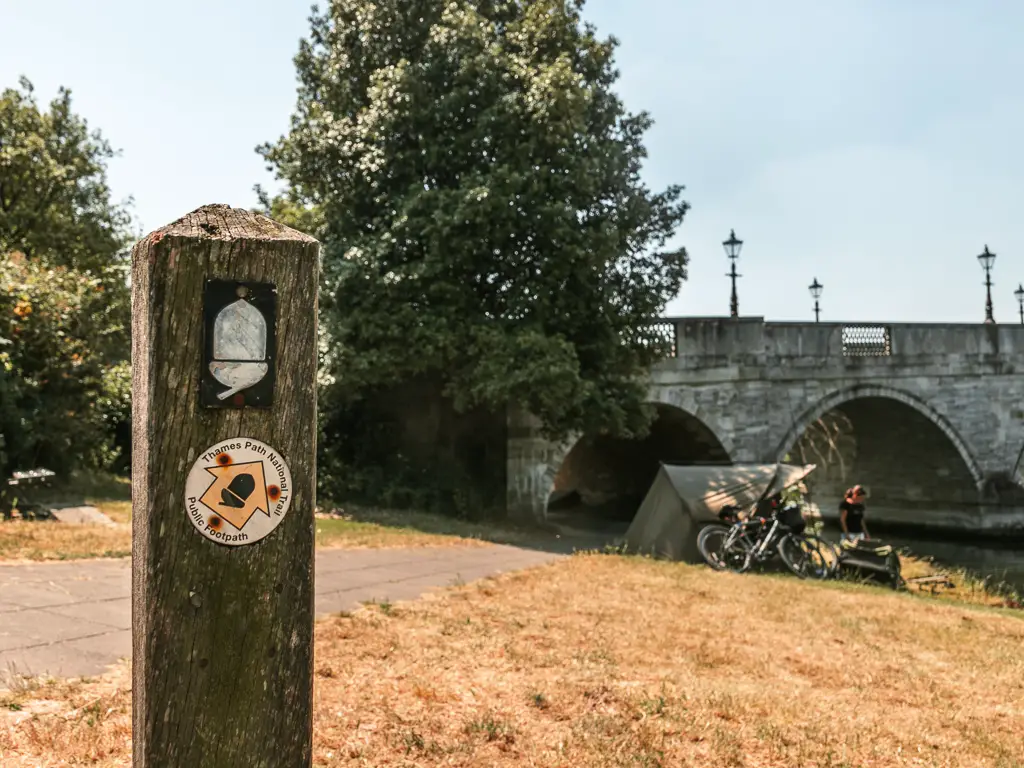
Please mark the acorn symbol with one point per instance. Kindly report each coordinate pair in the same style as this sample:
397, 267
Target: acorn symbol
239, 347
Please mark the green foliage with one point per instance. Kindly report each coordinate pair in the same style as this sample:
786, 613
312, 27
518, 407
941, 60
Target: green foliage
114, 407
64, 300
61, 390
406, 449
475, 182
54, 199
291, 212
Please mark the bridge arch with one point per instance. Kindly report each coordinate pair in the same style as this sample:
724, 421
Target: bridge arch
597, 476
841, 397
682, 398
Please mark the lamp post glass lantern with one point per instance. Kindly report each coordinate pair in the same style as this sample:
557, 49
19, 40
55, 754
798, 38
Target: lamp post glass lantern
732, 250
815, 288
986, 258
1019, 293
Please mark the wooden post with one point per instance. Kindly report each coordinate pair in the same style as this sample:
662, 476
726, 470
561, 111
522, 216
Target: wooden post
224, 355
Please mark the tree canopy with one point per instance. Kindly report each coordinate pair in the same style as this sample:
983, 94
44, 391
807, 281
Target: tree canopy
64, 300
476, 184
64, 380
55, 203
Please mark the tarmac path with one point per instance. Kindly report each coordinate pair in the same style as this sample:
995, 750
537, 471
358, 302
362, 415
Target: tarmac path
73, 619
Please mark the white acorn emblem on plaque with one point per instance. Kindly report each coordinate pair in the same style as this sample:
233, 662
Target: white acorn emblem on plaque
239, 347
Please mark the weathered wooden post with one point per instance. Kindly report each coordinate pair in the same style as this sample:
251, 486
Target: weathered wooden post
224, 351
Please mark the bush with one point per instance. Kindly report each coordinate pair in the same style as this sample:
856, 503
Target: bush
64, 382
115, 411
407, 447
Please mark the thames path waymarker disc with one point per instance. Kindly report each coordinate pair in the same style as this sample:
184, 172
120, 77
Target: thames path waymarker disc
238, 491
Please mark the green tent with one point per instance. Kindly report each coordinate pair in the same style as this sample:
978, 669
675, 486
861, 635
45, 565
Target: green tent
682, 499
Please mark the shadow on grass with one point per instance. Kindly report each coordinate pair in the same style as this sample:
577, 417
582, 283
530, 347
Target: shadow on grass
111, 494
349, 524
353, 521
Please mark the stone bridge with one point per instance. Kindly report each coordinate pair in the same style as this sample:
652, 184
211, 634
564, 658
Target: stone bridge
930, 417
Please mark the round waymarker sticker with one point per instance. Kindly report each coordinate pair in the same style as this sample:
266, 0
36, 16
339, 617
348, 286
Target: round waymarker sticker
238, 491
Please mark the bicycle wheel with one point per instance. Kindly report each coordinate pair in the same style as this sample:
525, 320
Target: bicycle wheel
829, 551
803, 557
821, 562
709, 544
721, 550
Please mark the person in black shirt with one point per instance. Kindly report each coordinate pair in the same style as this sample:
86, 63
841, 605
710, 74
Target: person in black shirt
851, 515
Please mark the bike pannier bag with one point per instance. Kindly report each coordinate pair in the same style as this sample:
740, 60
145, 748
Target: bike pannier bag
791, 517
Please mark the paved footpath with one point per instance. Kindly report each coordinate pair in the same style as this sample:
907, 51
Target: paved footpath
72, 619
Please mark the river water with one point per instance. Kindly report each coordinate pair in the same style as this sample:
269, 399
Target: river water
1000, 562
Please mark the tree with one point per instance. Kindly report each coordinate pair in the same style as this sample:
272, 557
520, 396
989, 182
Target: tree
62, 398
54, 199
483, 218
64, 299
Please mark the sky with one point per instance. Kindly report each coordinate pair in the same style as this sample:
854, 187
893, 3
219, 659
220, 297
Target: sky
871, 144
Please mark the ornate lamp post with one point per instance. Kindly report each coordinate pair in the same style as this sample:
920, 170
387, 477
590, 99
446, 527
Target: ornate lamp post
732, 250
986, 259
815, 289
1019, 293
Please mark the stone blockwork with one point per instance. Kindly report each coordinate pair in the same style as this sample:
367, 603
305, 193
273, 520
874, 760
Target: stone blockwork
933, 414
531, 466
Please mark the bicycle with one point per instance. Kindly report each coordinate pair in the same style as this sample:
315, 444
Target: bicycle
741, 543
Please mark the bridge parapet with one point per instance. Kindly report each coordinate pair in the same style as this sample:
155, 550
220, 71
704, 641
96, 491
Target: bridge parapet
723, 342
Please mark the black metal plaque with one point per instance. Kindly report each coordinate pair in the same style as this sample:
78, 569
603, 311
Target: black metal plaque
239, 344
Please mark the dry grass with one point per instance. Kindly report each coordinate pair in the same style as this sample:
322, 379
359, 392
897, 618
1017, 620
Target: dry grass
610, 661
966, 587
47, 540
356, 528
367, 527
117, 510
70, 722
110, 493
